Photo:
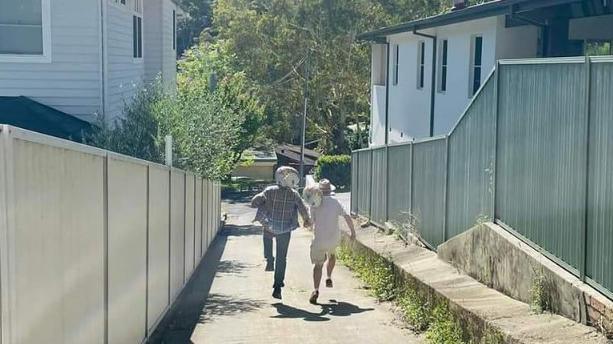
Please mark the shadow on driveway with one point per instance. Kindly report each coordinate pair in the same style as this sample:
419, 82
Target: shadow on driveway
195, 305
334, 308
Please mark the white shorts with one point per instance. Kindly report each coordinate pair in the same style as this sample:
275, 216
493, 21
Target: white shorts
319, 255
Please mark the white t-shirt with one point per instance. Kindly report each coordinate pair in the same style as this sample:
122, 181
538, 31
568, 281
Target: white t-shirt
327, 233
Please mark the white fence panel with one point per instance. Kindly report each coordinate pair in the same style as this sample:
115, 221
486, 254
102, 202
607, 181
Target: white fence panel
55, 279
93, 245
189, 225
127, 250
177, 232
158, 272
198, 217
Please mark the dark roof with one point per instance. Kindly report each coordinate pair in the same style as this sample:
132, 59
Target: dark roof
28, 114
292, 153
489, 9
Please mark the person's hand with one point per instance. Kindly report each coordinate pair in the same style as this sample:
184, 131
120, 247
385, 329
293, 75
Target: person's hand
307, 223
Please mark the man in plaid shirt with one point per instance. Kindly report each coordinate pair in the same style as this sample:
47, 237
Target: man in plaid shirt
279, 205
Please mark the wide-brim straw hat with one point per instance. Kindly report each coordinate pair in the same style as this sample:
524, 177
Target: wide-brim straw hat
326, 187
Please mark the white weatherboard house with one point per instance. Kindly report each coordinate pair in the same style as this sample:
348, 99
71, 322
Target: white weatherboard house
85, 57
425, 72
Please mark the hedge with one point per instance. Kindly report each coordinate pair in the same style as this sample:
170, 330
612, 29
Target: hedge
336, 168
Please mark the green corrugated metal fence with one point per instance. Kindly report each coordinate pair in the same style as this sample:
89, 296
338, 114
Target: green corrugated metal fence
534, 151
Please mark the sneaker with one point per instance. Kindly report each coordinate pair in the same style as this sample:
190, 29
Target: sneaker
329, 283
276, 293
313, 298
270, 265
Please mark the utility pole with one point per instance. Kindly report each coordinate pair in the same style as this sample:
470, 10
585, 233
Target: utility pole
304, 114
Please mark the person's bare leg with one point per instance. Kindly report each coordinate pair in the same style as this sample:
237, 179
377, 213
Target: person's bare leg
331, 264
317, 272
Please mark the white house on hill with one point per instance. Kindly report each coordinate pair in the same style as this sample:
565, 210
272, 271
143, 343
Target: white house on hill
85, 57
425, 72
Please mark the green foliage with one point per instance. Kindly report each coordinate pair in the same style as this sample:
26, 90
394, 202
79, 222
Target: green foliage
335, 168
190, 27
415, 308
540, 296
135, 134
444, 328
375, 271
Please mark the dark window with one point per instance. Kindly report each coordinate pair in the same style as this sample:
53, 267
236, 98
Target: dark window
421, 64
137, 37
443, 66
174, 30
476, 69
396, 63
123, 2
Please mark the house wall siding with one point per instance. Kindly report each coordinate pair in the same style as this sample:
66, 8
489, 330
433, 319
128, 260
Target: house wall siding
409, 106
153, 37
169, 55
516, 42
125, 75
450, 104
71, 82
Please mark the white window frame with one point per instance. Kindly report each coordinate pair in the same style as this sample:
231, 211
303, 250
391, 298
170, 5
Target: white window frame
45, 57
421, 65
440, 66
471, 70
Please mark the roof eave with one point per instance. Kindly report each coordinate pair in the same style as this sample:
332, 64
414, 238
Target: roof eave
485, 10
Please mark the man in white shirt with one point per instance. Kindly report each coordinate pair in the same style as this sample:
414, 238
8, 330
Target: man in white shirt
327, 235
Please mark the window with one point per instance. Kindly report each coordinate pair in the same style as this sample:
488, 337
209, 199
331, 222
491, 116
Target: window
598, 48
24, 30
421, 64
174, 30
442, 85
137, 36
396, 55
475, 64
137, 29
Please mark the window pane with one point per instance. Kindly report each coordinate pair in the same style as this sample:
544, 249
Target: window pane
24, 12
478, 50
476, 79
421, 77
445, 52
140, 37
134, 37
26, 40
444, 78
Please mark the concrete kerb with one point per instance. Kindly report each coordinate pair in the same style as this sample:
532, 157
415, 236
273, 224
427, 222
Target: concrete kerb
480, 310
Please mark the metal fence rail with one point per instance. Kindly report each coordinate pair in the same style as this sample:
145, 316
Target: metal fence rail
532, 151
94, 246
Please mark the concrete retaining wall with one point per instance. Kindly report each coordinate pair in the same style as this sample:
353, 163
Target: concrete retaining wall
496, 258
92, 243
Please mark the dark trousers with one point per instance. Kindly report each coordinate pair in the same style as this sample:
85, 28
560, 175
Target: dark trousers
281, 261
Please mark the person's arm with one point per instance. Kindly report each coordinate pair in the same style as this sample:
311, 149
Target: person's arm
258, 200
350, 224
302, 209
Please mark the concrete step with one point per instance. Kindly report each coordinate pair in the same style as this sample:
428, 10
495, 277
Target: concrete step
477, 306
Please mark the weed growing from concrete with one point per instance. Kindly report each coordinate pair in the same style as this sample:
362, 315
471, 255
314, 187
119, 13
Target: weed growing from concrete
491, 337
444, 329
540, 298
416, 310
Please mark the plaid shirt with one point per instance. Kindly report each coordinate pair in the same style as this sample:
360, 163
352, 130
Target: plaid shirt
281, 206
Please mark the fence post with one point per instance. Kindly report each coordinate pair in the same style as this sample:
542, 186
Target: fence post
588, 93
105, 188
387, 183
445, 192
496, 135
370, 185
411, 212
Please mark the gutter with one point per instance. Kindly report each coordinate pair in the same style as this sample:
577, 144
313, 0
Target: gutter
433, 82
103, 58
387, 92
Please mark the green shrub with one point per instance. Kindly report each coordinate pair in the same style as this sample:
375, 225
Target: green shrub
335, 168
